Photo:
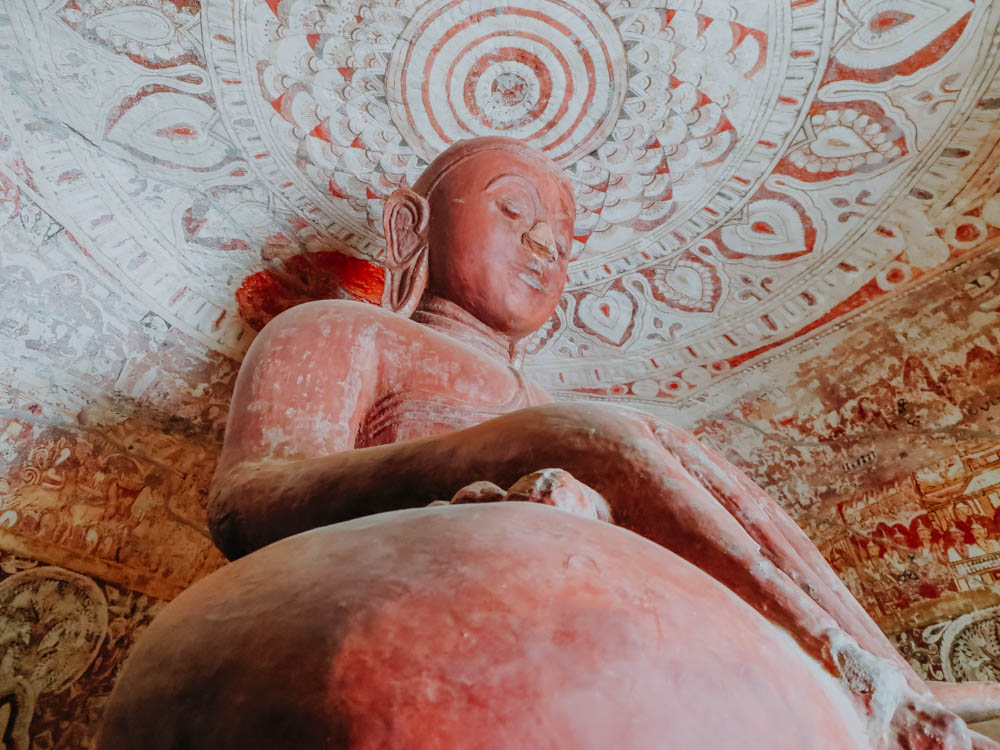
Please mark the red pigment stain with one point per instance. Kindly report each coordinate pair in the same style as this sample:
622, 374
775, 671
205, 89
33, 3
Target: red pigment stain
895, 276
966, 233
309, 276
888, 19
177, 131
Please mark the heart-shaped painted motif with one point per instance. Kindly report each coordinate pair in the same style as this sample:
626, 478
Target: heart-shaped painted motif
889, 38
770, 227
686, 281
840, 141
691, 283
607, 316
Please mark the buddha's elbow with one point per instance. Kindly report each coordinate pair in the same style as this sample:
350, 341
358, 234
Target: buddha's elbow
225, 524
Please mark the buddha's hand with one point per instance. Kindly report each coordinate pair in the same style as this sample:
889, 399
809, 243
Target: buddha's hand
554, 487
898, 718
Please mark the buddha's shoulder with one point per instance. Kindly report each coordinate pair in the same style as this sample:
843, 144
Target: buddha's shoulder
334, 318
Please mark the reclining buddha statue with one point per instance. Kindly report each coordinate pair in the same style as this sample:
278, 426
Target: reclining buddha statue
430, 553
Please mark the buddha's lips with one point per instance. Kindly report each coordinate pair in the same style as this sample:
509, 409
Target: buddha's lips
533, 281
532, 274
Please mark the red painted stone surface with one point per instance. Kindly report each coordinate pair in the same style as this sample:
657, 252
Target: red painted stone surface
145, 174
325, 274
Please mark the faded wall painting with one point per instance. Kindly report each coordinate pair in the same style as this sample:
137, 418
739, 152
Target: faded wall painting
892, 467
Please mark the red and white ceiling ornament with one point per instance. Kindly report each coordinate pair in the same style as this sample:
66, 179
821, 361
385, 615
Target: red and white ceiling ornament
741, 168
651, 109
552, 73
844, 139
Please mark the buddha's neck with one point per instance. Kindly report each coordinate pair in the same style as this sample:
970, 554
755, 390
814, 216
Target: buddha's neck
450, 319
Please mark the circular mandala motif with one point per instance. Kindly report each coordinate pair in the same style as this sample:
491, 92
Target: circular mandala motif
754, 172
666, 120
970, 648
550, 73
52, 622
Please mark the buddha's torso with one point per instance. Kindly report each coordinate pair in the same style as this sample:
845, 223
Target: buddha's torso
441, 374
417, 410
331, 376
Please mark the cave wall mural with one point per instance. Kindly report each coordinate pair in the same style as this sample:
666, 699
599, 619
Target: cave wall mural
880, 438
787, 240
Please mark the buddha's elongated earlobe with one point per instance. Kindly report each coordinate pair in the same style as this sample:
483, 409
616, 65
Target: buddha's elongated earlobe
404, 221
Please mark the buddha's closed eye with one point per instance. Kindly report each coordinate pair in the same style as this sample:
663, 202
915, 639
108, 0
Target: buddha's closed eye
512, 209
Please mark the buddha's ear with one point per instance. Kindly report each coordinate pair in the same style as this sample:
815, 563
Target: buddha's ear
404, 221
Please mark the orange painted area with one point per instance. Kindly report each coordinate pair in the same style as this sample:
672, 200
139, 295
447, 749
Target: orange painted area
309, 276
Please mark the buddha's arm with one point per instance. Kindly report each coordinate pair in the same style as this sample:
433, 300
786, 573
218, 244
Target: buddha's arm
259, 502
283, 472
615, 451
301, 394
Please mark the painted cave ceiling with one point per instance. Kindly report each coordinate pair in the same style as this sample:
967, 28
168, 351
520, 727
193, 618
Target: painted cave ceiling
746, 173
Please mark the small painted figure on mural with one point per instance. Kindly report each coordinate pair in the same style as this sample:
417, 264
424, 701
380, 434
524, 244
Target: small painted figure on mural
924, 540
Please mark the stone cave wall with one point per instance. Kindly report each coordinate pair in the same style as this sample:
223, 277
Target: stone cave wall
105, 463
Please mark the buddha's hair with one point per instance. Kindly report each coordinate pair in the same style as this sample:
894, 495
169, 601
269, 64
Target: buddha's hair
463, 150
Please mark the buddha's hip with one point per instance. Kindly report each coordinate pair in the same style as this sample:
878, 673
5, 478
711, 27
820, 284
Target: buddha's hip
508, 625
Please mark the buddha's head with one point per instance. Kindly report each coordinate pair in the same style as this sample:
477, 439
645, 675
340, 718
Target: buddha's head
488, 226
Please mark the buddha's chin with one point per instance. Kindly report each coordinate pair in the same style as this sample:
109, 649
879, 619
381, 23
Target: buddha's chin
515, 309
524, 320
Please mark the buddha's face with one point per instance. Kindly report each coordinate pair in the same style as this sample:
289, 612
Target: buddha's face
501, 226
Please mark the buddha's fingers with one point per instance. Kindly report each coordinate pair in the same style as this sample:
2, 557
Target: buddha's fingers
781, 539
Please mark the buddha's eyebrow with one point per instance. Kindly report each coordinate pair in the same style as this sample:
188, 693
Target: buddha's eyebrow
568, 210
519, 179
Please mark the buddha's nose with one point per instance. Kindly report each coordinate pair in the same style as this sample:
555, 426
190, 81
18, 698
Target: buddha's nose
541, 241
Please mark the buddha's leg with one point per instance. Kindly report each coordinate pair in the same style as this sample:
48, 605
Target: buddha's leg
781, 540
973, 701
681, 514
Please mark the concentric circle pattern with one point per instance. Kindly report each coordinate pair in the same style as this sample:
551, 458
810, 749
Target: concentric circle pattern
551, 73
666, 119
